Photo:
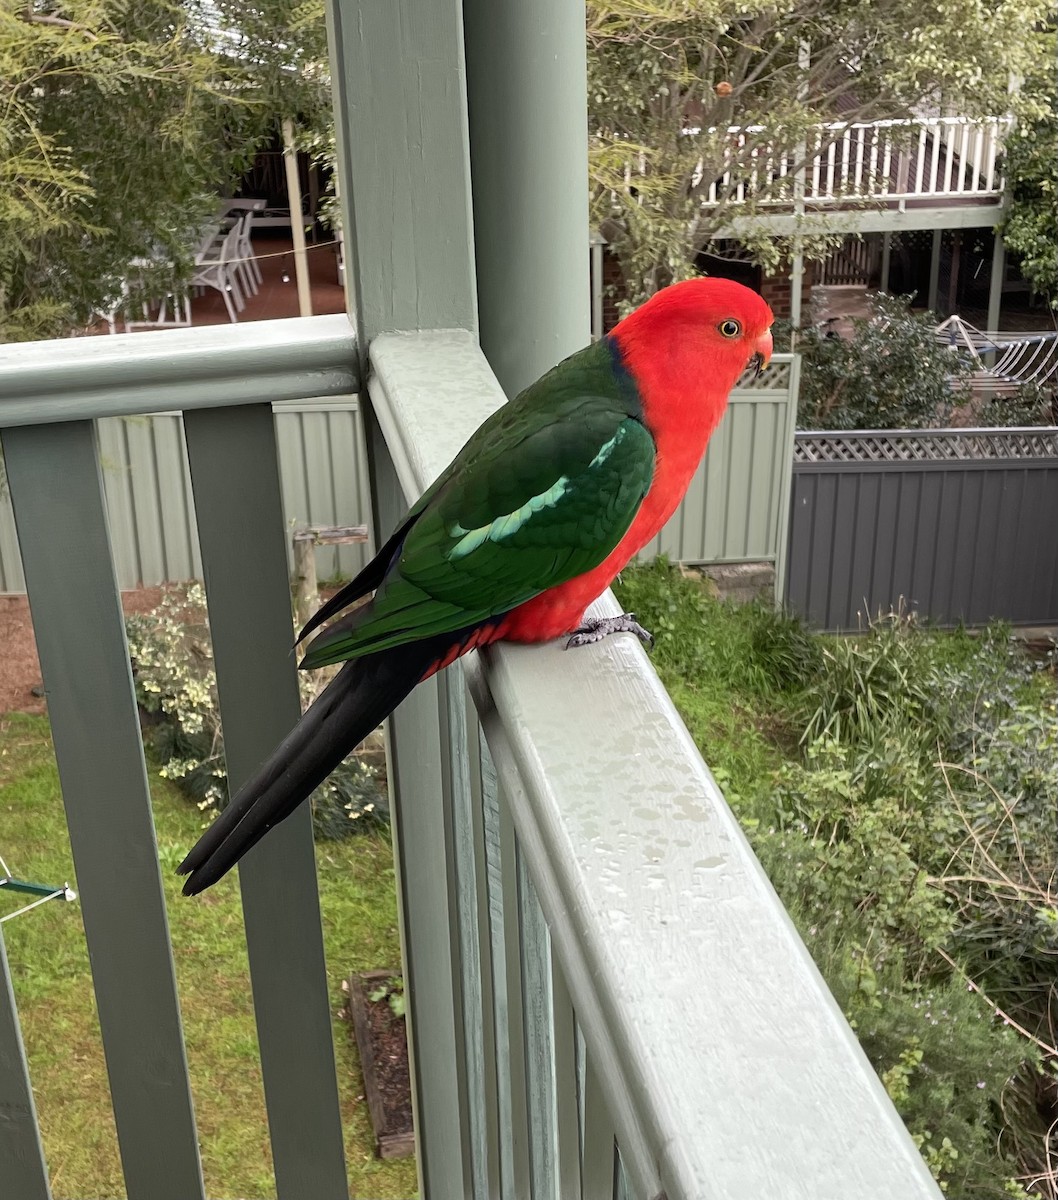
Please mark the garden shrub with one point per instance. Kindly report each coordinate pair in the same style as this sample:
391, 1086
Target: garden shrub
900, 789
176, 689
892, 373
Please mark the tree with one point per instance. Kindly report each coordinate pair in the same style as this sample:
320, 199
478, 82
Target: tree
669, 78
1031, 227
112, 123
120, 125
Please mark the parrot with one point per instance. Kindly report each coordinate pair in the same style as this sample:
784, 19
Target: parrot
533, 519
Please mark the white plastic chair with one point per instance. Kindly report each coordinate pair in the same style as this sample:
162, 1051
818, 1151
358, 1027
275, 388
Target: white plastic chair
214, 269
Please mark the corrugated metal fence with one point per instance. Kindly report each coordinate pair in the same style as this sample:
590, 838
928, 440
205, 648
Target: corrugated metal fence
152, 512
737, 506
959, 525
734, 511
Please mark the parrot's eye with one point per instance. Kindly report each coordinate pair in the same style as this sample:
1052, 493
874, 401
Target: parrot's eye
730, 328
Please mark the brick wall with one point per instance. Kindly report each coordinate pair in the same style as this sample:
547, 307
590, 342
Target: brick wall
776, 290
613, 288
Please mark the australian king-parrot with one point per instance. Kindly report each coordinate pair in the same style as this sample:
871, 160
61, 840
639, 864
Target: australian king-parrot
529, 524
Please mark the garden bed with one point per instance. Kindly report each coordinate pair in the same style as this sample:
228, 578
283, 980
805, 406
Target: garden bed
381, 1037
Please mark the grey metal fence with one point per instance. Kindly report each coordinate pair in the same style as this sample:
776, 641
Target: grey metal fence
960, 526
737, 506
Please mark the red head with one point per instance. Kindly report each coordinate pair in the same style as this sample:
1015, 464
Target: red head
685, 348
702, 332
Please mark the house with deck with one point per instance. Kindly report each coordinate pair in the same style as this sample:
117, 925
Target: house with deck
918, 200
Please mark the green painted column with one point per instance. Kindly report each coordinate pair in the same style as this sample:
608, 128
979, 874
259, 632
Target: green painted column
527, 96
399, 82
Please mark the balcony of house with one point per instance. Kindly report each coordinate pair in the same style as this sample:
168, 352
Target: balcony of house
861, 177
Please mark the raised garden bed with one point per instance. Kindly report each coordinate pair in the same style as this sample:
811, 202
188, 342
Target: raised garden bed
382, 1040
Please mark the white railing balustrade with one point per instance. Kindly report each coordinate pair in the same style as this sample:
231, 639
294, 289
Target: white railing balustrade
914, 159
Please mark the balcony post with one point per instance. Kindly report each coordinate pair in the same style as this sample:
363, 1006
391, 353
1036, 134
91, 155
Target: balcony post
527, 94
934, 270
398, 79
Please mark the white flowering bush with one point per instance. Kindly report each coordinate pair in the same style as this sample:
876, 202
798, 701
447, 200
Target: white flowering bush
176, 689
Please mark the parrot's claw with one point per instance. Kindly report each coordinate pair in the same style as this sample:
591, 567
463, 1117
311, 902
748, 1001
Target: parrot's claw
596, 628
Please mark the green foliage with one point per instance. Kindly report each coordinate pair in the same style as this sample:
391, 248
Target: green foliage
899, 790
392, 991
1031, 165
120, 126
176, 688
668, 78
1031, 227
892, 373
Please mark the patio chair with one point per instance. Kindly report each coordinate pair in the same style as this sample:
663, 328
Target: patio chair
214, 268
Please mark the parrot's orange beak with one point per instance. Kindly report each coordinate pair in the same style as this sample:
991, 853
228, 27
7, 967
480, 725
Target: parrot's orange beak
762, 352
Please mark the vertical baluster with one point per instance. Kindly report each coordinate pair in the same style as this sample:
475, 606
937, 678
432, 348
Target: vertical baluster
539, 1040
990, 157
740, 190
832, 151
872, 169
860, 137
599, 1169
964, 154
479, 998
846, 153
423, 780
24, 1172
934, 159
520, 1166
816, 164
490, 805
979, 142
567, 1088
949, 158
887, 162
56, 488
920, 159
235, 476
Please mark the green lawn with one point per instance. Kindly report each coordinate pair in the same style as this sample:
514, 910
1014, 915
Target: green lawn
57, 1011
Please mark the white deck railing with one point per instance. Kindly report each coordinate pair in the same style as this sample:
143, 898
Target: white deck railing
922, 158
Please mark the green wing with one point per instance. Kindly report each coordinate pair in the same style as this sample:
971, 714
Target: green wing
542, 493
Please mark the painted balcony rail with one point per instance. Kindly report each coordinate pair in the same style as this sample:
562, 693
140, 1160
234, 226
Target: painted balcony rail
607, 999
938, 159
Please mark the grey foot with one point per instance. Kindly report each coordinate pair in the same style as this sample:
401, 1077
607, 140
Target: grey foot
596, 628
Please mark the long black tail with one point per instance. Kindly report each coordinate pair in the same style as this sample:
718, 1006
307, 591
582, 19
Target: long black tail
358, 699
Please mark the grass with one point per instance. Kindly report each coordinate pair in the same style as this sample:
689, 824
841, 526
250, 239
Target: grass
52, 981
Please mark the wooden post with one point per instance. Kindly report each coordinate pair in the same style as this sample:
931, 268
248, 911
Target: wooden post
307, 593
887, 250
953, 283
934, 271
306, 539
995, 285
297, 228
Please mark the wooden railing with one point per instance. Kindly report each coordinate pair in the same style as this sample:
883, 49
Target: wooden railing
606, 998
919, 159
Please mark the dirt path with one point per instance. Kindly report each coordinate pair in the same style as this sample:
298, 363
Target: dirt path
19, 668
